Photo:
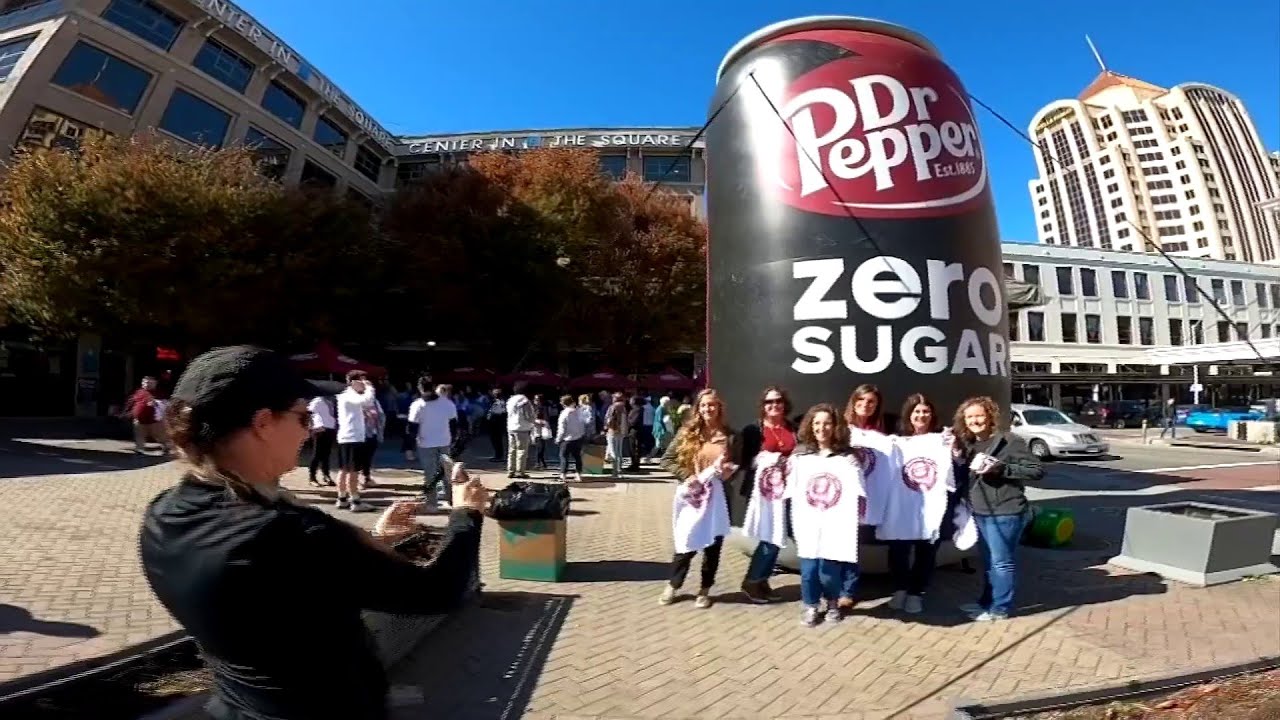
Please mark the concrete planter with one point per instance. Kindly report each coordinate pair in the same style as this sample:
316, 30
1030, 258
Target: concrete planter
1198, 543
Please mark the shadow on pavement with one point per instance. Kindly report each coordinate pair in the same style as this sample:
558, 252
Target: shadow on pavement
485, 661
16, 619
617, 571
34, 457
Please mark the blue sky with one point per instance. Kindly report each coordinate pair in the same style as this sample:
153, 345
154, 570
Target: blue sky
424, 66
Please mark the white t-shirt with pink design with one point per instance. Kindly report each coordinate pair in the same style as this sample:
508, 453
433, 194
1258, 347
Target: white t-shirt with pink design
765, 512
877, 455
825, 492
913, 507
699, 511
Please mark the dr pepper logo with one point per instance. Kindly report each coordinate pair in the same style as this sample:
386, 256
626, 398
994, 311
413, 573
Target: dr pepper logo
884, 132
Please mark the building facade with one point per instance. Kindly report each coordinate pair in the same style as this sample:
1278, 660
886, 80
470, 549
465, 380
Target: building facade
1184, 167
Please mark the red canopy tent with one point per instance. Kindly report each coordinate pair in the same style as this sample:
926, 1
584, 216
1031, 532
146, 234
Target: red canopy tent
541, 378
601, 380
669, 379
327, 360
470, 375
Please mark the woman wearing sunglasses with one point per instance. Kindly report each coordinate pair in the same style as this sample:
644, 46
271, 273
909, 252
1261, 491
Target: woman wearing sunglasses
766, 446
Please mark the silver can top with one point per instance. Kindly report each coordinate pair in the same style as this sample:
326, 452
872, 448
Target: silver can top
822, 22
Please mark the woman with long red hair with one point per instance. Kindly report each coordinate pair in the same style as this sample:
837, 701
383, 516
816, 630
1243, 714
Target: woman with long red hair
876, 454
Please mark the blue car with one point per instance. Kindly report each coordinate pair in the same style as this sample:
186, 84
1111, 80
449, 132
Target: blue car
1217, 419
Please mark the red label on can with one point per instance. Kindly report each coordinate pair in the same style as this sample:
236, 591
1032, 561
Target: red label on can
887, 132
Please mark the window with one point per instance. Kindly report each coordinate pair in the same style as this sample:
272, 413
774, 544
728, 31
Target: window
1242, 331
48, 129
314, 176
146, 20
224, 65
1172, 289
1175, 331
1120, 284
1224, 331
330, 136
1013, 327
1065, 284
1124, 330
1265, 330
1260, 290
1088, 282
195, 119
272, 155
1031, 274
1237, 292
1275, 296
615, 166
1197, 331
10, 53
103, 78
1035, 326
668, 169
368, 163
1219, 292
1092, 329
1070, 328
1146, 331
1008, 270
282, 103
1141, 286
1192, 291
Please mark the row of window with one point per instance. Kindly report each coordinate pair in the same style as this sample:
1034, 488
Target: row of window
1177, 288
1181, 332
104, 78
656, 168
159, 27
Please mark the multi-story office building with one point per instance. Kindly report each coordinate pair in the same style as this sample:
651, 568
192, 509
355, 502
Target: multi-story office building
1183, 166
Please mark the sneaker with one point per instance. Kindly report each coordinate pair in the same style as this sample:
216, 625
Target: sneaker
314, 482
769, 592
755, 592
340, 503
899, 598
577, 477
914, 605
357, 506
811, 617
703, 601
668, 596
329, 481
834, 615
973, 610
368, 482
989, 616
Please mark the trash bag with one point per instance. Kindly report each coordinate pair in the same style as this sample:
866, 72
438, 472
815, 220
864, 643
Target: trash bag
530, 501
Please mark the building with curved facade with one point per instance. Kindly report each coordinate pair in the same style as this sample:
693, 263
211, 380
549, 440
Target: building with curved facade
1184, 165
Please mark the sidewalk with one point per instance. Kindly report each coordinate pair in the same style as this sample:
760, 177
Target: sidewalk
1187, 438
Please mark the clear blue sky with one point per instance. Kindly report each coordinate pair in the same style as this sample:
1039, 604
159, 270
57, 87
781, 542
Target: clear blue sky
426, 66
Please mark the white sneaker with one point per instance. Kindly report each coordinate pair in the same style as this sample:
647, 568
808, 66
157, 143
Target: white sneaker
340, 503
899, 598
668, 596
914, 605
811, 617
989, 617
357, 506
973, 610
577, 477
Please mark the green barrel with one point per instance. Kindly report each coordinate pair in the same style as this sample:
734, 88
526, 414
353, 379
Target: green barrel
1051, 527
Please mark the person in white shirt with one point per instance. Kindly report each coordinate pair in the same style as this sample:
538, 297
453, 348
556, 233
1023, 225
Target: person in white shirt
571, 431
875, 452
520, 424
355, 415
324, 430
915, 508
827, 501
431, 420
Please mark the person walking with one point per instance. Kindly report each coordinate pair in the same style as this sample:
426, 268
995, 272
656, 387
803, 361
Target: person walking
521, 419
615, 431
430, 421
999, 467
324, 432
226, 546
571, 432
1169, 420
635, 432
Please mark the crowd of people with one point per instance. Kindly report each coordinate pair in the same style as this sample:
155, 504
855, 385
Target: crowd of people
839, 479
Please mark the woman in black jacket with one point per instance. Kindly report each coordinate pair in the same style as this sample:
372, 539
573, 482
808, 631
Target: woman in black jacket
773, 433
226, 545
999, 468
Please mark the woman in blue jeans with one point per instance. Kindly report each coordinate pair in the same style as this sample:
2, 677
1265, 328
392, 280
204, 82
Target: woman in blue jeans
775, 434
999, 467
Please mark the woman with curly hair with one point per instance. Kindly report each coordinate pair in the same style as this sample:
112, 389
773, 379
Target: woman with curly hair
999, 467
827, 497
704, 458
760, 510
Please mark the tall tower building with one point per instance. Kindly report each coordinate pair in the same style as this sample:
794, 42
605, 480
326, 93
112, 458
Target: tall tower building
1185, 165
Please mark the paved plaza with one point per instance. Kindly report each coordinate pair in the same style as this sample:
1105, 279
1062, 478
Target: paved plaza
600, 646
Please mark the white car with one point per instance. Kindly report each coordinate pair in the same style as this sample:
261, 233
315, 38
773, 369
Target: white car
1049, 432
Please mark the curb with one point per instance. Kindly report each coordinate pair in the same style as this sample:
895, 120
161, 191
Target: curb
1193, 444
971, 710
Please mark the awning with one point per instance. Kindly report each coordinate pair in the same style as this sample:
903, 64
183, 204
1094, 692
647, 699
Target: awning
1022, 294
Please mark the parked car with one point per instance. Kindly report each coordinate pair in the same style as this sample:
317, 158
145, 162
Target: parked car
1049, 432
1117, 414
1182, 412
1219, 418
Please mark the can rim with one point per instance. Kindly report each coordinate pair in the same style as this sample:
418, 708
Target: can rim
812, 22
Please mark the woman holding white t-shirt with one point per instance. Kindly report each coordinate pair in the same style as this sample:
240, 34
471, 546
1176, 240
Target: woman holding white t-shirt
876, 454
827, 502
703, 457
913, 511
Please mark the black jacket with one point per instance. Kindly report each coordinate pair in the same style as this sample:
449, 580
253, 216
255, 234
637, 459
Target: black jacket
272, 592
1002, 492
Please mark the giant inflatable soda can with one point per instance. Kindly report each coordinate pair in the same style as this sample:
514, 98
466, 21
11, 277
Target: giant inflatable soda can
853, 236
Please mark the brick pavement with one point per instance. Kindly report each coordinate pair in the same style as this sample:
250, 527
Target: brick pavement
600, 646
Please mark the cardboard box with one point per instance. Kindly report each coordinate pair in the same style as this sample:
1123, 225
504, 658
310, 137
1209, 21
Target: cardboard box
531, 550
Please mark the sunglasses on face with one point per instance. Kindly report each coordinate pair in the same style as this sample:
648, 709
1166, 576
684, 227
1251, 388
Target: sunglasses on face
772, 401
